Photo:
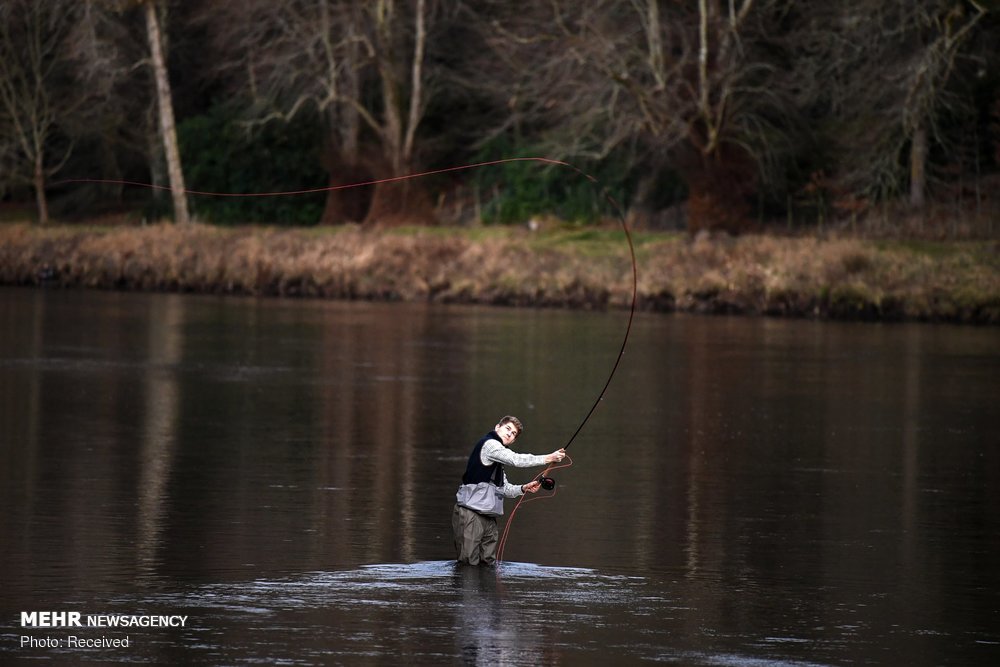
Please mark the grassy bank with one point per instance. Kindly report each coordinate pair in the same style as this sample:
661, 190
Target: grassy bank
760, 275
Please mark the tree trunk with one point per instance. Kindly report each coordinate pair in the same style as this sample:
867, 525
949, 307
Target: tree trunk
918, 167
345, 204
402, 202
416, 84
157, 175
396, 202
167, 127
392, 121
342, 162
720, 189
640, 213
40, 199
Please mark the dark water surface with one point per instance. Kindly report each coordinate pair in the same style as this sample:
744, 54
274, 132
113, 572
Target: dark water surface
751, 492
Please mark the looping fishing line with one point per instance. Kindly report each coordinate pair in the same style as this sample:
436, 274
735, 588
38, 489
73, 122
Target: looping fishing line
526, 499
615, 205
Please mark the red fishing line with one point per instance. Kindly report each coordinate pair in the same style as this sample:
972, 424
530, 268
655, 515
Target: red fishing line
328, 188
525, 499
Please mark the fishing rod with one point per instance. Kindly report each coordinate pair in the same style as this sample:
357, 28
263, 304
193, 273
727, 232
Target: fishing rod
631, 312
549, 483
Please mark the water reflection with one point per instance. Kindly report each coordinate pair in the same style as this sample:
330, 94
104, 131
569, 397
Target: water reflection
750, 490
430, 611
159, 438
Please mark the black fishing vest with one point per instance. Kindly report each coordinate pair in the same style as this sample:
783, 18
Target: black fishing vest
476, 472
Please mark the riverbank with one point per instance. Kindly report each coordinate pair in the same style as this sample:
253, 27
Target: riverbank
834, 278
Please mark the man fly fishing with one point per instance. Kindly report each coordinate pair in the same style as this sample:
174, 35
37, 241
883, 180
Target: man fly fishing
479, 500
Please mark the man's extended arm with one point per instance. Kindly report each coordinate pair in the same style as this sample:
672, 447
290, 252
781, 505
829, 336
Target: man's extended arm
494, 452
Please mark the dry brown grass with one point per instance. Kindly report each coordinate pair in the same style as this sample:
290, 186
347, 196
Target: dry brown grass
812, 277
837, 278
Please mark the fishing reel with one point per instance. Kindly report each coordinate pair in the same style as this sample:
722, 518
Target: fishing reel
547, 483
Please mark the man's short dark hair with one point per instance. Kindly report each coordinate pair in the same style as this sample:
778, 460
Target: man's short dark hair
510, 419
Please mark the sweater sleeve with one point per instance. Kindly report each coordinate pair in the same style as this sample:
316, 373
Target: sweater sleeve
494, 452
510, 490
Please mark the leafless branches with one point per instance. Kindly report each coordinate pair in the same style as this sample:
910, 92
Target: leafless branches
741, 100
329, 56
886, 66
690, 84
34, 107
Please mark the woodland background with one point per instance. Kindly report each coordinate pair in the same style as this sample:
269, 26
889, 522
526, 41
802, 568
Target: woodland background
876, 115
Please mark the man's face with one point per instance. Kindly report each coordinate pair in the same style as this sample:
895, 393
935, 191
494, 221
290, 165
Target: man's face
507, 433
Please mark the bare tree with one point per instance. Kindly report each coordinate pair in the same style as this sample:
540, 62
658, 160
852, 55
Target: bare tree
887, 66
153, 12
360, 65
691, 83
168, 129
402, 105
926, 89
111, 53
37, 95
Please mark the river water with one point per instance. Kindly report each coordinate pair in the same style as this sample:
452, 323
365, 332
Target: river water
750, 491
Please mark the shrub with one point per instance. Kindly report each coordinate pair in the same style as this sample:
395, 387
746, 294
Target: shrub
514, 192
221, 155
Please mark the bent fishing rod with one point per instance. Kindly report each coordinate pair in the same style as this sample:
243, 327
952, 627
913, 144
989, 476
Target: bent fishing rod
547, 482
